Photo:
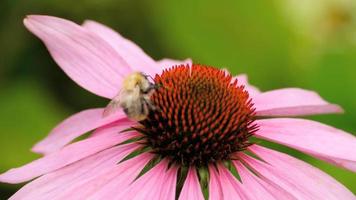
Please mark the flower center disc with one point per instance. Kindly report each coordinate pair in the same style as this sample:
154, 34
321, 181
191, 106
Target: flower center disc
201, 116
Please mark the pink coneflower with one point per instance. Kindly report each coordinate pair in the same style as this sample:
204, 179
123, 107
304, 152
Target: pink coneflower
196, 145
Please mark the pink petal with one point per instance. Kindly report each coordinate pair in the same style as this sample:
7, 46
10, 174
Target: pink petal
67, 155
215, 188
129, 171
322, 141
118, 126
85, 57
109, 183
167, 63
223, 185
292, 102
158, 183
273, 175
73, 127
137, 59
256, 188
191, 189
297, 177
52, 185
252, 90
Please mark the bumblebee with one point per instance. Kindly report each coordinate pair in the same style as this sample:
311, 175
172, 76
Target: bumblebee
134, 97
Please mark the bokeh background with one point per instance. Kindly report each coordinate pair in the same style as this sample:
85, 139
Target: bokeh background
278, 43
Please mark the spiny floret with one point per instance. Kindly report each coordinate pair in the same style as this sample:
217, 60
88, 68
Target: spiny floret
201, 116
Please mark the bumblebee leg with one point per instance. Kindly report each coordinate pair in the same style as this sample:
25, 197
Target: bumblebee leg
148, 102
152, 87
126, 111
143, 106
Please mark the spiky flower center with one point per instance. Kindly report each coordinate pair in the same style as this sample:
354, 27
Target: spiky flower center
201, 116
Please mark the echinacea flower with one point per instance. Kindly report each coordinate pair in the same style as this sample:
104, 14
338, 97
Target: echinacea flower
197, 143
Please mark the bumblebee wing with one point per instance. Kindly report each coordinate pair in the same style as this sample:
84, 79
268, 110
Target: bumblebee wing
113, 106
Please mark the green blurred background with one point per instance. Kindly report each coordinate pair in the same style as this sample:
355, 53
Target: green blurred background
278, 43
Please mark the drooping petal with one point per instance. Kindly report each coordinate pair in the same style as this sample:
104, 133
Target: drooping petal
121, 177
64, 157
215, 188
271, 174
85, 57
256, 188
158, 183
121, 125
292, 102
223, 185
168, 63
137, 59
52, 185
73, 127
243, 80
191, 189
319, 140
109, 183
297, 177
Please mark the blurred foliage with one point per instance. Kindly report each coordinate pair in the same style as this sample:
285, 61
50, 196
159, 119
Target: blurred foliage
279, 43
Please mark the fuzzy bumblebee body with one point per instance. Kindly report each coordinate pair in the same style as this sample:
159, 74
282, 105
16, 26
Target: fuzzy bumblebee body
133, 98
